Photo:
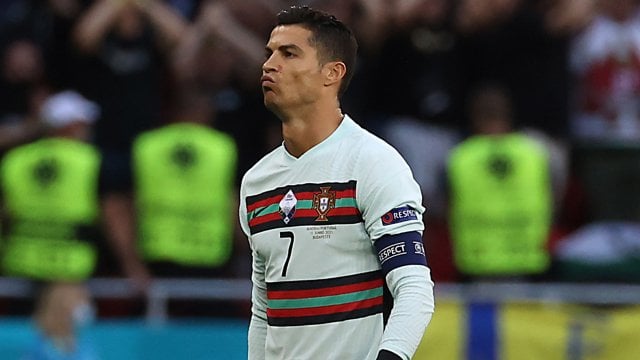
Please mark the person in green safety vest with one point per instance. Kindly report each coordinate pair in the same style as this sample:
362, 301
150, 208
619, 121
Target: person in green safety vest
50, 207
500, 194
183, 221
49, 196
184, 176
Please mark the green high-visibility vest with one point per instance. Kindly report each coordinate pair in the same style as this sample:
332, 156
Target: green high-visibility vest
184, 179
501, 205
51, 201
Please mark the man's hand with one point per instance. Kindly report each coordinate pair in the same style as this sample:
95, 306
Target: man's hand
387, 355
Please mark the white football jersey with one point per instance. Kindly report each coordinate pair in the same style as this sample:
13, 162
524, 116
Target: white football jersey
312, 222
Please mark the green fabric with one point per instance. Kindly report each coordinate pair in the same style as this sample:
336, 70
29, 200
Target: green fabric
50, 191
330, 300
184, 176
48, 259
501, 205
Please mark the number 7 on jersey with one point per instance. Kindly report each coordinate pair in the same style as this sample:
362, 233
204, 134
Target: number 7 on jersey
287, 235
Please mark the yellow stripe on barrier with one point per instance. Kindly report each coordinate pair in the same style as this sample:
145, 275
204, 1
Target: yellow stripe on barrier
446, 336
531, 331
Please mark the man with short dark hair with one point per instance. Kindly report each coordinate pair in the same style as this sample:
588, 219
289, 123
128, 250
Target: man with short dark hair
333, 215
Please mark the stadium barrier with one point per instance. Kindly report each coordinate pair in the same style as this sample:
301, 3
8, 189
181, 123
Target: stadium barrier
479, 321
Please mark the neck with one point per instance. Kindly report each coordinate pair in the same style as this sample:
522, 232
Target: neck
306, 129
74, 131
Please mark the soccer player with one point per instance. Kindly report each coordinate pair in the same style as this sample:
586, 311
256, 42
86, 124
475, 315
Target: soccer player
332, 216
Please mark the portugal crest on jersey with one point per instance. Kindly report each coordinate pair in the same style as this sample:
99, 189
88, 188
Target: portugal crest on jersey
324, 201
288, 206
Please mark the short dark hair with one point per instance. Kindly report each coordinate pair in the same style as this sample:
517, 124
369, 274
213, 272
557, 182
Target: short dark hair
332, 38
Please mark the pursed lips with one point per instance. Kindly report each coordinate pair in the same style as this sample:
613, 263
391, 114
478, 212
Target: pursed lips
266, 79
267, 83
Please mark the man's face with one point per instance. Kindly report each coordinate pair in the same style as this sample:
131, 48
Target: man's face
292, 74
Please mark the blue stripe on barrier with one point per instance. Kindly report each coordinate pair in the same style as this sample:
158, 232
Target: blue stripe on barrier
482, 341
134, 339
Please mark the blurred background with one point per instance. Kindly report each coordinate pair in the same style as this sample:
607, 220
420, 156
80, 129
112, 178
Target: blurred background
126, 125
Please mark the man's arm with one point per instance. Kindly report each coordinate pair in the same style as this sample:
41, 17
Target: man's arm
168, 23
391, 204
95, 23
409, 281
118, 217
258, 325
412, 291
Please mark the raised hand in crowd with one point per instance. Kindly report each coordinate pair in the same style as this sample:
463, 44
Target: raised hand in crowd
124, 16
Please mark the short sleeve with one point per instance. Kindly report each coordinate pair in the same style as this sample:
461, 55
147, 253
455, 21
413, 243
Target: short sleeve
388, 196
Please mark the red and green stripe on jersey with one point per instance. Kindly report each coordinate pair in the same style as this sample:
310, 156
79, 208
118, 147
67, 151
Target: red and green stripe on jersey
313, 204
296, 303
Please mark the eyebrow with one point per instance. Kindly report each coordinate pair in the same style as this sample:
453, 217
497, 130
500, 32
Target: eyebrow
285, 47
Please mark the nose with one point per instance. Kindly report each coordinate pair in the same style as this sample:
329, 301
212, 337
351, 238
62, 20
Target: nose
268, 65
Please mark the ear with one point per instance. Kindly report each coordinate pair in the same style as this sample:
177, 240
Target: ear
334, 72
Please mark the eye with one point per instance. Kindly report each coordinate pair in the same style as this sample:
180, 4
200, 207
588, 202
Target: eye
288, 54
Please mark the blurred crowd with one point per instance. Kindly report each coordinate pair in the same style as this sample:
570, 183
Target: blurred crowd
519, 119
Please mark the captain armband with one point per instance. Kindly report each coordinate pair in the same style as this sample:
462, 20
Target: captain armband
399, 250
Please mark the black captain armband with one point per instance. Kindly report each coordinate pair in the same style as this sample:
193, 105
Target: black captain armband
399, 250
387, 355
